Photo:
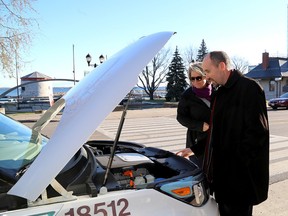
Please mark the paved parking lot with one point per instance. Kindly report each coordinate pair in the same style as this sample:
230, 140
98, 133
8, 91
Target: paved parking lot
159, 128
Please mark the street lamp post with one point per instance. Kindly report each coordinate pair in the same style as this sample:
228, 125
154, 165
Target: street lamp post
17, 78
74, 75
89, 59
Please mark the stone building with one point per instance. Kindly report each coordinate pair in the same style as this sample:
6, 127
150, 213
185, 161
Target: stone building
36, 89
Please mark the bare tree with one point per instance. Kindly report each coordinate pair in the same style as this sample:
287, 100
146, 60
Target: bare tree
15, 34
240, 64
190, 55
155, 73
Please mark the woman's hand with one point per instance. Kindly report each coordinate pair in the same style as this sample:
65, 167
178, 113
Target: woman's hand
205, 126
186, 153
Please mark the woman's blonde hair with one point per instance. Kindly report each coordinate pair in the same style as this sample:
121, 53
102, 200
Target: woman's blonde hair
196, 67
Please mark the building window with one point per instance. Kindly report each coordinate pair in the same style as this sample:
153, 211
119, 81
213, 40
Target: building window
285, 87
272, 85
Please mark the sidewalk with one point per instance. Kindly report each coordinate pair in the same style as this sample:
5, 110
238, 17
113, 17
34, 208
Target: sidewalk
277, 202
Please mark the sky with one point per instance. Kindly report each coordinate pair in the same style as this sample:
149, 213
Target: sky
243, 28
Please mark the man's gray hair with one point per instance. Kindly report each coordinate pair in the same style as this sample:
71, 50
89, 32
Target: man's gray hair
220, 56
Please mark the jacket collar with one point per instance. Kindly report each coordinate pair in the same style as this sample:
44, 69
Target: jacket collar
233, 78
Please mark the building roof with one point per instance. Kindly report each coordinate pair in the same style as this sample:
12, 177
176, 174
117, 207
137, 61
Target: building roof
277, 67
35, 76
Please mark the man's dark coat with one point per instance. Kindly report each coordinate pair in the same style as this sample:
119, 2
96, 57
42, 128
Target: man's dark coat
240, 141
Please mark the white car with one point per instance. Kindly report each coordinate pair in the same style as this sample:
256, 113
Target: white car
68, 175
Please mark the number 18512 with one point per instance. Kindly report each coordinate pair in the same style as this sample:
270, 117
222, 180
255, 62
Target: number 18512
101, 209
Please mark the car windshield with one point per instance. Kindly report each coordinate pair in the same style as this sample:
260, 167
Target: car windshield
19, 145
284, 95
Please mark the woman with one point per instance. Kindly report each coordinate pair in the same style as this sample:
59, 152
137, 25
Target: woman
193, 112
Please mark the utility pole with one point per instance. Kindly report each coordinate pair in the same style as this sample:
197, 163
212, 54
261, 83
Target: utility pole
17, 77
74, 66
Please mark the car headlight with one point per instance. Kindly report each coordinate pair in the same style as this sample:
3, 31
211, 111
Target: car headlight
191, 190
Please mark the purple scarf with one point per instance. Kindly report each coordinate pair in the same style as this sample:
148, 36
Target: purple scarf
203, 92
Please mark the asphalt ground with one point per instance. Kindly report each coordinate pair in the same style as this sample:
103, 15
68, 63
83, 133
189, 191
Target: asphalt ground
158, 127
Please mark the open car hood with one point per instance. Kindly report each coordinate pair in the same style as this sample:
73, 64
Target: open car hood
86, 105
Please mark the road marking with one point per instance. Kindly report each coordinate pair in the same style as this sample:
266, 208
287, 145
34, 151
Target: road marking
166, 133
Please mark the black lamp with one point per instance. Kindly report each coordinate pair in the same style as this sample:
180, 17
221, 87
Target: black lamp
89, 59
101, 58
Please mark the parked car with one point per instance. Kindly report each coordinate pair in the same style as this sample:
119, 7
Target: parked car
68, 174
282, 101
7, 100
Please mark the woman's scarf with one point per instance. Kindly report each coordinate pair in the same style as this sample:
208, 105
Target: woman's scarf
203, 92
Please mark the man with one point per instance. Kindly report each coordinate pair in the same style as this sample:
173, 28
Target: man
237, 155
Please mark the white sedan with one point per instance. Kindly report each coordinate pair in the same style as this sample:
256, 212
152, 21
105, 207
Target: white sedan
68, 175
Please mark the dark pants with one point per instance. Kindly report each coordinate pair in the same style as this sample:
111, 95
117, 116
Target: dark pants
232, 210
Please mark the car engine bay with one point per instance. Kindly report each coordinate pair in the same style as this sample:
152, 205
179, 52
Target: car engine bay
133, 167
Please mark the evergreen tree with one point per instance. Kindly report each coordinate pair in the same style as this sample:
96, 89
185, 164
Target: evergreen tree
202, 51
176, 78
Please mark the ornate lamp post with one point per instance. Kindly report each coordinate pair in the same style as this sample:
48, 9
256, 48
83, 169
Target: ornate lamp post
89, 59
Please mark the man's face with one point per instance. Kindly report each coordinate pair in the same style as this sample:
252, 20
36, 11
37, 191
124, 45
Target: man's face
213, 72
